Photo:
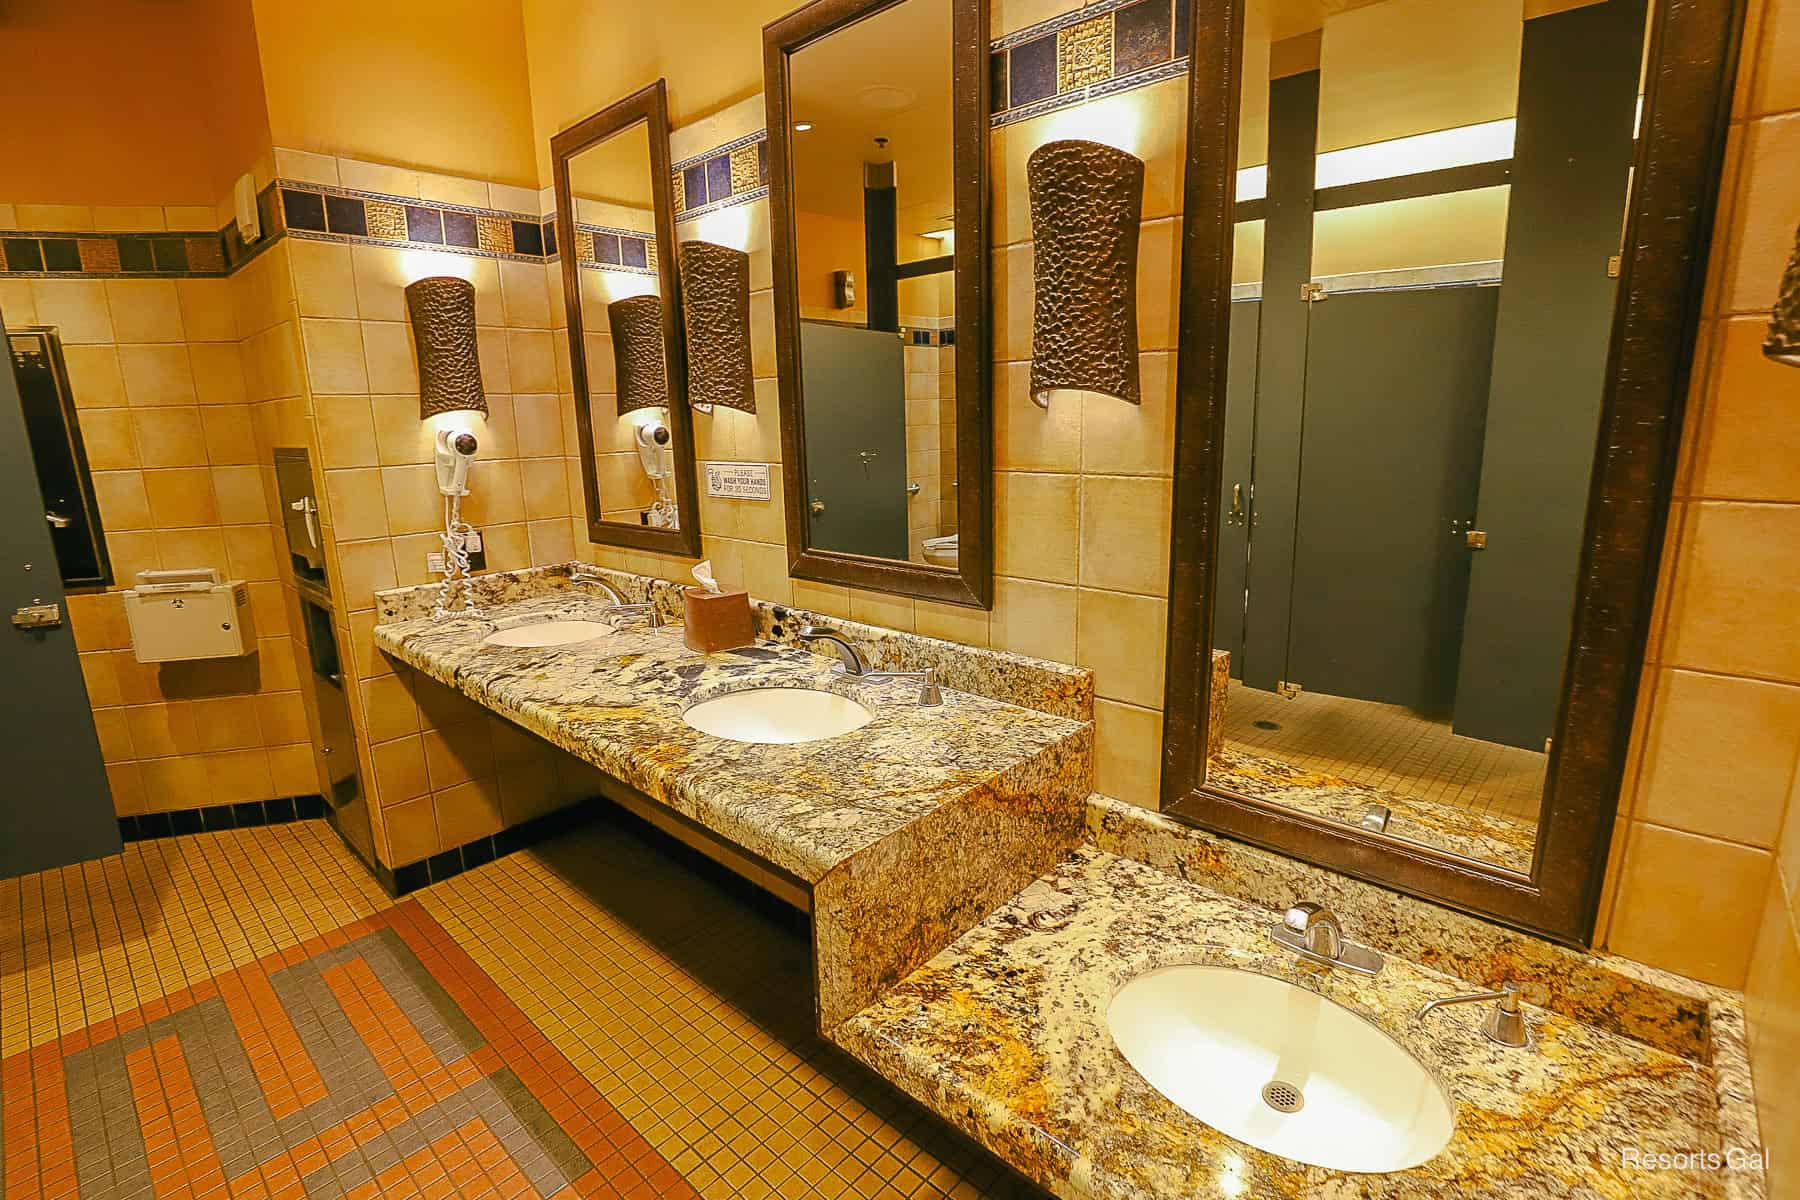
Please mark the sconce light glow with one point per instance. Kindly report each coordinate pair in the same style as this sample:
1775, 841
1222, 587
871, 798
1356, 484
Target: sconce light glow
1116, 121
724, 227
421, 264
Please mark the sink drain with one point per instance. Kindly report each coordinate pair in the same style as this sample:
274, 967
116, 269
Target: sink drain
1282, 1097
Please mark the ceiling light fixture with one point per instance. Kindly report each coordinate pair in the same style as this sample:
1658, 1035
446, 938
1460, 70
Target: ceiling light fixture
802, 126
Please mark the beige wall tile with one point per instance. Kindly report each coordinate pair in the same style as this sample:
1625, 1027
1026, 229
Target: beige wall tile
324, 283
1762, 222
346, 428
1121, 637
1777, 86
227, 723
524, 295
157, 375
1735, 598
1034, 618
196, 547
951, 622
530, 364
400, 437
388, 708
208, 310
240, 496
55, 218
1036, 517
108, 438
546, 486
1685, 903
16, 304
356, 504
334, 356
182, 496
468, 811
393, 365
144, 310
552, 541
1772, 1003
538, 424
1128, 752
1720, 756
123, 501
400, 772
1748, 447
364, 569
1014, 295
1125, 534
218, 371
1132, 439
889, 612
414, 505
77, 307
496, 494
230, 437
95, 380
1159, 284
303, 167
378, 177
168, 437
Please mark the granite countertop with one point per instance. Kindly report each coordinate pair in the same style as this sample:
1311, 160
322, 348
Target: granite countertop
806, 808
1004, 1033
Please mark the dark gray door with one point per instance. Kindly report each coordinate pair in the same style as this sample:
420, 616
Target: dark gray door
1235, 485
1569, 181
854, 384
56, 807
1396, 393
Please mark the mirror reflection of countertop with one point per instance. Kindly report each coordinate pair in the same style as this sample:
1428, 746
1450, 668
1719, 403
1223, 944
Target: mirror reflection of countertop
1005, 1034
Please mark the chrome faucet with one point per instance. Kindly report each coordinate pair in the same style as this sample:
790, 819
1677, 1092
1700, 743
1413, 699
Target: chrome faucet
850, 663
1504, 1024
1314, 933
616, 605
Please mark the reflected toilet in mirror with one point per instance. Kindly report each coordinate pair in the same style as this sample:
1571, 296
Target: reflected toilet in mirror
614, 216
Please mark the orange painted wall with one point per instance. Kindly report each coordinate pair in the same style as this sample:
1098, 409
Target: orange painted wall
440, 87
123, 102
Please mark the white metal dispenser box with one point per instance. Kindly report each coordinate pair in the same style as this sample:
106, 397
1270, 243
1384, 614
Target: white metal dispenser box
189, 614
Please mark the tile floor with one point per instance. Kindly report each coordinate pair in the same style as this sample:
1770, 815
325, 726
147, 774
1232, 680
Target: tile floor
246, 1014
1388, 747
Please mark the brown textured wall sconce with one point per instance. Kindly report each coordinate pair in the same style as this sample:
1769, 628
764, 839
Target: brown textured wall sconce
715, 309
1783, 343
1087, 201
442, 309
637, 336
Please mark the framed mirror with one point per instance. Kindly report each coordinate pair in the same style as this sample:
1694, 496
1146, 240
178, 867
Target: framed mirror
615, 233
1444, 265
878, 135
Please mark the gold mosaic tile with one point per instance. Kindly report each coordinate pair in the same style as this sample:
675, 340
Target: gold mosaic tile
678, 189
743, 170
650, 253
584, 246
495, 234
205, 254
1084, 53
99, 254
386, 221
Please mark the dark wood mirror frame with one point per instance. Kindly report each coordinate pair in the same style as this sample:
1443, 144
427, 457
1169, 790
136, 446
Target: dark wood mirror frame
650, 105
1693, 50
972, 583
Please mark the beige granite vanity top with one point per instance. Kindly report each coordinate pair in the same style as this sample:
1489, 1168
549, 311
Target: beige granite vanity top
1004, 1033
806, 808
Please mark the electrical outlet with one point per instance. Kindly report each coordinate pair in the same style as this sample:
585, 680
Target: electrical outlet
434, 562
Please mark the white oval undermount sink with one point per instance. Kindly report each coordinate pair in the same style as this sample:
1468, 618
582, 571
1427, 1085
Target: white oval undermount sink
549, 633
1281, 1068
774, 716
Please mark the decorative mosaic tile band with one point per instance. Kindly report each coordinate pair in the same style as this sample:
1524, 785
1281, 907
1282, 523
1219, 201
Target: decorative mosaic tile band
929, 337
606, 248
126, 255
735, 173
1107, 47
339, 214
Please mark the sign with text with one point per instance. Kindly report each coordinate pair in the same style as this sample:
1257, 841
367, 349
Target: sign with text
738, 481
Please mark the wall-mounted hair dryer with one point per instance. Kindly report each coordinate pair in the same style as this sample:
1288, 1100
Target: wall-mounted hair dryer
655, 450
455, 451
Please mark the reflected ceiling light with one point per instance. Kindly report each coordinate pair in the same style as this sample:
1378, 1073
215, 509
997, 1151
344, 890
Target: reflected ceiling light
1087, 201
802, 126
885, 98
1783, 344
942, 235
1252, 183
1459, 147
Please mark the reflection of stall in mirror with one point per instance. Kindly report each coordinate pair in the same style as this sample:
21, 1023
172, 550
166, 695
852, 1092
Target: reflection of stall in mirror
613, 221
1433, 200
873, 221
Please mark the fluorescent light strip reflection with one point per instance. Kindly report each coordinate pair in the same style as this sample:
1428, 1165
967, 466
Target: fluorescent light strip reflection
1460, 147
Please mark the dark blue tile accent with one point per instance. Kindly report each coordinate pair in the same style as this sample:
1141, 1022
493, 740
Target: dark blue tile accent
528, 237
153, 825
187, 820
62, 254
443, 866
423, 225
477, 852
309, 807
762, 162
347, 215
410, 878
303, 210
693, 185
633, 252
249, 814
606, 248
1184, 16
218, 816
170, 254
1142, 36
459, 230
135, 254
718, 176
23, 254
1032, 70
128, 829
279, 810
997, 82
550, 239
947, 337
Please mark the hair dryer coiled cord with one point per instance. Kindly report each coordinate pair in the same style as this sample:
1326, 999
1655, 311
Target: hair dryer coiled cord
456, 564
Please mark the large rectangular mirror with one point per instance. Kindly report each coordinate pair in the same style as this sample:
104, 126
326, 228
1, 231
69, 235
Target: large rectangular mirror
615, 236
1419, 506
878, 135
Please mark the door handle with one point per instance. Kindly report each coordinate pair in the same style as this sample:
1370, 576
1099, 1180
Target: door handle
37, 616
913, 489
818, 506
58, 522
1237, 499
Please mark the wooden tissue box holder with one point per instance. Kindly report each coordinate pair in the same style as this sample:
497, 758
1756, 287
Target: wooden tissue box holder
716, 620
